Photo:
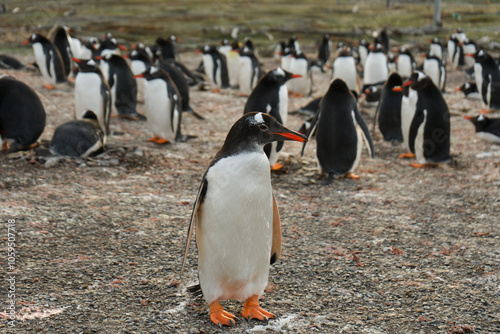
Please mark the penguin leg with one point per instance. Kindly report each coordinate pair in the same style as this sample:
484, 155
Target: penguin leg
219, 316
162, 141
406, 155
49, 86
252, 310
351, 175
276, 166
6, 146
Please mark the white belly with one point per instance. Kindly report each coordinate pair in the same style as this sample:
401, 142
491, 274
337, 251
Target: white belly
404, 66
283, 104
299, 85
345, 68
419, 141
375, 68
235, 236
88, 95
478, 75
436, 50
408, 107
245, 75
431, 68
233, 63
158, 107
41, 60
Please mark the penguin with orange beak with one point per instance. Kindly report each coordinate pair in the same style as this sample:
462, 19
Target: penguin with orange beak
238, 231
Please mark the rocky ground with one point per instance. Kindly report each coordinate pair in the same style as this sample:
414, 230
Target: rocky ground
401, 250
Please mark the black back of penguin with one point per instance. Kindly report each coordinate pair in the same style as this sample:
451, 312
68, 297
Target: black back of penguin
490, 73
324, 49
487, 128
179, 80
62, 41
336, 136
52, 57
22, 116
431, 112
389, 110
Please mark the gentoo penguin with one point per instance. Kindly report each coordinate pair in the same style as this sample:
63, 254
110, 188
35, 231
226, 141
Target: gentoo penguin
271, 96
48, 59
278, 50
436, 48
88, 49
344, 67
376, 71
286, 58
238, 230
163, 106
167, 47
389, 110
489, 78
108, 45
92, 92
363, 49
469, 47
22, 116
10, 63
215, 67
224, 47
79, 138
408, 109
340, 133
249, 71
122, 84
405, 62
139, 62
324, 49
62, 41
392, 64
300, 65
435, 70
233, 63
486, 128
451, 46
430, 128
469, 89
293, 43
381, 37
310, 109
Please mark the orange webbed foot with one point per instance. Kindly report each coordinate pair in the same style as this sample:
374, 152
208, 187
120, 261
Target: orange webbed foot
276, 166
49, 86
153, 139
252, 310
417, 165
484, 111
162, 141
219, 316
352, 176
406, 155
292, 94
216, 90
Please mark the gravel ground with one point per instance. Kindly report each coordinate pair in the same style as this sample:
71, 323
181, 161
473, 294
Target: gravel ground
401, 250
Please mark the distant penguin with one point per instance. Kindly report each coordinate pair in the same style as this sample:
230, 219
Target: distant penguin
22, 116
436, 48
430, 128
435, 70
451, 46
299, 64
344, 67
10, 63
405, 62
486, 128
88, 49
215, 67
470, 90
490, 79
376, 71
271, 96
341, 132
62, 40
388, 114
293, 43
408, 110
382, 38
469, 47
108, 45
79, 138
278, 50
139, 62
249, 71
249, 44
224, 47
372, 93
92, 92
163, 106
392, 64
286, 58
310, 109
122, 84
325, 48
233, 63
167, 47
363, 50
49, 60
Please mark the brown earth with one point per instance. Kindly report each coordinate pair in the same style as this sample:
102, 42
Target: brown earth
401, 250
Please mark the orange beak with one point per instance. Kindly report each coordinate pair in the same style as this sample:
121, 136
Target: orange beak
397, 89
99, 58
26, 41
76, 60
296, 76
469, 55
292, 135
457, 89
468, 118
139, 76
179, 40
407, 83
121, 47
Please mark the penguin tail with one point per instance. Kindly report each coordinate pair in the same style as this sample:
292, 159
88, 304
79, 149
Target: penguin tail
194, 113
329, 179
195, 291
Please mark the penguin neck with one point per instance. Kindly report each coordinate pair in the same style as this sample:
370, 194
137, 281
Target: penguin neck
234, 147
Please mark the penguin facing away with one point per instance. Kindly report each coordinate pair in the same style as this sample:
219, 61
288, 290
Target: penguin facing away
22, 116
238, 226
49, 60
490, 79
92, 92
83, 137
163, 106
486, 128
62, 41
340, 133
388, 113
325, 48
271, 96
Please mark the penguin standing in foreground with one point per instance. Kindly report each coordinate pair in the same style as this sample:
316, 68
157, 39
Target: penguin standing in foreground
163, 106
215, 67
271, 96
249, 71
22, 116
48, 59
92, 92
435, 69
486, 128
340, 133
79, 138
430, 128
122, 84
238, 229
388, 112
490, 79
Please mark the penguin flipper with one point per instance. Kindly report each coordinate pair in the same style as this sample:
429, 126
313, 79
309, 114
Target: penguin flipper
276, 245
312, 129
199, 199
365, 132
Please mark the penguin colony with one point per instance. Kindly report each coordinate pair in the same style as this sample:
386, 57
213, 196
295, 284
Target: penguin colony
235, 194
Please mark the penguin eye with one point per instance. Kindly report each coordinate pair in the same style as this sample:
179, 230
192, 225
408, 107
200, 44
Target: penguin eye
263, 127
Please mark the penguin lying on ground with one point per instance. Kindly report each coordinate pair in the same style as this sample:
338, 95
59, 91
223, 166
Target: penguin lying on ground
469, 89
83, 137
10, 63
22, 116
486, 128
341, 132
238, 232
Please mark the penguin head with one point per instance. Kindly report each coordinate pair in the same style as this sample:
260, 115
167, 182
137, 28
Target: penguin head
257, 128
480, 122
34, 38
89, 114
394, 80
279, 76
152, 73
417, 80
86, 65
